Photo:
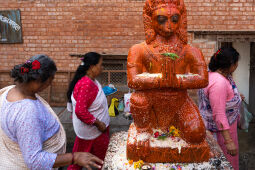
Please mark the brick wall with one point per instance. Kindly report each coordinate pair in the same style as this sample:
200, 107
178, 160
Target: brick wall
61, 27
221, 15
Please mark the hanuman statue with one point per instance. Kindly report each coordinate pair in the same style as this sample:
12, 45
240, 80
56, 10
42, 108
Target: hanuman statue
160, 70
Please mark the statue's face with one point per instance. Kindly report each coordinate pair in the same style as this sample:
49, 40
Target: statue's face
165, 21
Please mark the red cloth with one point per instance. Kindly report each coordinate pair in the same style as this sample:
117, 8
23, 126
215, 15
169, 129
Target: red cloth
97, 146
85, 92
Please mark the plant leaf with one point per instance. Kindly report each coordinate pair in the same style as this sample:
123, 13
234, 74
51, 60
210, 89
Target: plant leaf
173, 56
162, 137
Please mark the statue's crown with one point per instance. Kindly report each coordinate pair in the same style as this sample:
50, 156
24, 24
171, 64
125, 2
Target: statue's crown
160, 3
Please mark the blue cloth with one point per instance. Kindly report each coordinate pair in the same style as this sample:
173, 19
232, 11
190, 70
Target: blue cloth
108, 90
29, 123
232, 107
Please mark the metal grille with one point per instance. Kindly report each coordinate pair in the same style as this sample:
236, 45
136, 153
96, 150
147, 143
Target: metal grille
103, 78
114, 73
109, 66
226, 44
118, 78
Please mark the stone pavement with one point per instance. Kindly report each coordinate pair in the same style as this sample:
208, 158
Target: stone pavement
120, 123
247, 148
117, 124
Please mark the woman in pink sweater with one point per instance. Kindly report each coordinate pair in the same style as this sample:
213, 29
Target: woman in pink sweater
219, 103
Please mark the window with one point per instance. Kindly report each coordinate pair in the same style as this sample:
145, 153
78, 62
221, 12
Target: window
114, 70
226, 44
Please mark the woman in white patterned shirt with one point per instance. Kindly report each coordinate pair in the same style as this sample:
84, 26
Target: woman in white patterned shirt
31, 135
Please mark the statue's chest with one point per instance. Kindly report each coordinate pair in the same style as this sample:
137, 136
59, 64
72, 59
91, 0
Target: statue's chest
155, 64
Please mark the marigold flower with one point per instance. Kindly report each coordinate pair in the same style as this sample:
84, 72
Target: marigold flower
138, 164
130, 162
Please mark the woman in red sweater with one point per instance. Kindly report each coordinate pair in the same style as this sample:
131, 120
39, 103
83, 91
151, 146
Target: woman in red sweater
90, 109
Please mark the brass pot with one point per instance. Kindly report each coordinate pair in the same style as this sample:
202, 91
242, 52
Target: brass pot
146, 167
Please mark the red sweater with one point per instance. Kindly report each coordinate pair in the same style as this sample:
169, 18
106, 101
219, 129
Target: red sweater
85, 92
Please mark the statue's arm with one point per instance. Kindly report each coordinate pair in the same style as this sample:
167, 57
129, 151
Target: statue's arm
135, 66
198, 67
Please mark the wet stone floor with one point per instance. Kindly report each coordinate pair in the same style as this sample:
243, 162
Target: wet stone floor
121, 123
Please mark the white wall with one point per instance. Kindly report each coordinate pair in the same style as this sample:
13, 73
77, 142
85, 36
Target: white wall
242, 73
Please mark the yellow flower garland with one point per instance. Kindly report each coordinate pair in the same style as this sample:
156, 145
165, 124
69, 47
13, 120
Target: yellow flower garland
138, 164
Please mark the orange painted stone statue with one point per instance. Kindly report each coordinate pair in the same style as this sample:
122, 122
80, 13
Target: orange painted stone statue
167, 124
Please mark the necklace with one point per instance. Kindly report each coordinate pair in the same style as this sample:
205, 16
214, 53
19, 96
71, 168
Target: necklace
170, 48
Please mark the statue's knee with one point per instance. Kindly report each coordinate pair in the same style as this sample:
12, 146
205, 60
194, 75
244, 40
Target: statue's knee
139, 100
195, 133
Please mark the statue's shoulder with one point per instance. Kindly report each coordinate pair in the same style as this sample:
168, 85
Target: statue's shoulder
138, 47
193, 54
188, 47
193, 51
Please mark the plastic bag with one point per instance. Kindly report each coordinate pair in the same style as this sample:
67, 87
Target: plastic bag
109, 90
113, 109
245, 117
127, 102
69, 107
121, 105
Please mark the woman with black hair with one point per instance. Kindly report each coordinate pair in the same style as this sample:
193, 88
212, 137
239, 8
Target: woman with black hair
89, 108
31, 135
219, 102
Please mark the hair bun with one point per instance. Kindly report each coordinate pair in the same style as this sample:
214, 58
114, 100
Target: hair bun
39, 67
223, 58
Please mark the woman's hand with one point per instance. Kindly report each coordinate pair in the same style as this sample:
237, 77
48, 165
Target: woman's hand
83, 159
87, 160
231, 148
242, 96
230, 145
100, 125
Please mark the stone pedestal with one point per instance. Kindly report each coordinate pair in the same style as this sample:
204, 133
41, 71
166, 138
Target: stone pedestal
116, 156
170, 150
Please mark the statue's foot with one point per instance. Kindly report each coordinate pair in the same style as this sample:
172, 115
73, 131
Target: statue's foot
143, 136
144, 146
143, 142
140, 138
144, 130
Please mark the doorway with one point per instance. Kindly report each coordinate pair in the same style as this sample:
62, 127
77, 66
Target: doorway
244, 75
252, 79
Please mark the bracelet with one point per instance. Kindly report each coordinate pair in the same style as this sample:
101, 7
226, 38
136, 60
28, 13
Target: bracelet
72, 158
